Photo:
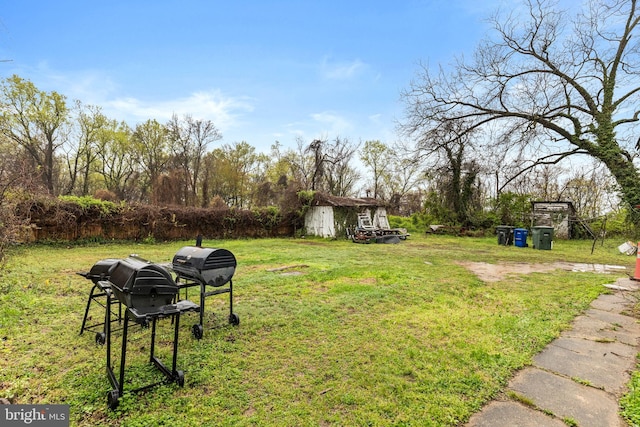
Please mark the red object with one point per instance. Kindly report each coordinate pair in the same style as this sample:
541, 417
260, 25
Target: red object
636, 273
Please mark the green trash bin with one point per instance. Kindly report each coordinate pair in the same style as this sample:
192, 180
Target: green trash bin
542, 237
505, 235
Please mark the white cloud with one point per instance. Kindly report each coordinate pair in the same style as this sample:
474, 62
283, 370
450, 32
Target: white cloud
342, 70
322, 125
95, 87
223, 111
375, 118
332, 123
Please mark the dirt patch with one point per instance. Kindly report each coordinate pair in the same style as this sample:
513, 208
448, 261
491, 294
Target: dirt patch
289, 270
496, 272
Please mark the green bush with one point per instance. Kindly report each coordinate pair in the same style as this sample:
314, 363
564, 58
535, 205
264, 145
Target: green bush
616, 225
268, 216
87, 202
404, 222
512, 209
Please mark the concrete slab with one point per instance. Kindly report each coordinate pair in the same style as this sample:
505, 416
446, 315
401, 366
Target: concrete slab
615, 302
597, 268
628, 283
619, 321
565, 398
599, 349
594, 329
512, 414
603, 365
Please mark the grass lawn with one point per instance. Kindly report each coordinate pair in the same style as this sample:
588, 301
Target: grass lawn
348, 335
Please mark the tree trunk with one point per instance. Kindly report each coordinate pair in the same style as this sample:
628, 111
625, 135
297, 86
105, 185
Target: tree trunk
628, 179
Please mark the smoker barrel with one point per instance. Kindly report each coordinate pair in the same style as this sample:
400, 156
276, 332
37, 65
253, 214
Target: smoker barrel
99, 275
209, 266
100, 270
142, 285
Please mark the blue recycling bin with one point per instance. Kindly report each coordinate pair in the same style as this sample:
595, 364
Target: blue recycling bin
520, 237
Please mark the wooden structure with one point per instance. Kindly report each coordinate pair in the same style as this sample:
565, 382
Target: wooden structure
330, 216
559, 215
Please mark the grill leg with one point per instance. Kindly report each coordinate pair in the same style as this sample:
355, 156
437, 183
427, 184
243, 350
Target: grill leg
173, 374
233, 318
153, 340
203, 292
123, 354
107, 327
175, 344
230, 297
86, 311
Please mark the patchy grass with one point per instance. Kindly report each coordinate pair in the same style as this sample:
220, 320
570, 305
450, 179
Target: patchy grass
630, 403
363, 335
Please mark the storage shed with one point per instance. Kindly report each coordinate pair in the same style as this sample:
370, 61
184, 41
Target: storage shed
559, 215
330, 216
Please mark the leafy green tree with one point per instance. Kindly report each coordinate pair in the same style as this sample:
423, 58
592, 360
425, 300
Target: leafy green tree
117, 162
377, 157
229, 171
513, 209
34, 120
89, 123
279, 168
151, 143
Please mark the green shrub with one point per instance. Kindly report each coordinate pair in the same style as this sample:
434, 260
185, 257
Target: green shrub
88, 202
404, 222
268, 217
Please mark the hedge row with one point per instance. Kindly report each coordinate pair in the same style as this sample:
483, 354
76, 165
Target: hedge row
58, 220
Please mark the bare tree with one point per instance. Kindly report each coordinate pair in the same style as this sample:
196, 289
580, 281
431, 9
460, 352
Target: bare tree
189, 141
559, 85
406, 177
319, 159
446, 151
302, 165
339, 174
331, 169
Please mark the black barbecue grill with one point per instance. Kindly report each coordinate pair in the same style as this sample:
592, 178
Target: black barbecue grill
148, 292
197, 266
142, 285
214, 267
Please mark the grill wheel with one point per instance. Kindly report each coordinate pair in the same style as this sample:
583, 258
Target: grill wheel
101, 338
112, 398
197, 331
234, 319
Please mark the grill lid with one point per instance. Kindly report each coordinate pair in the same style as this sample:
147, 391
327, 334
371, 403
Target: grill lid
140, 284
210, 266
100, 270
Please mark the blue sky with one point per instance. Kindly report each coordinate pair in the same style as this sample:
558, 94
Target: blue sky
260, 70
